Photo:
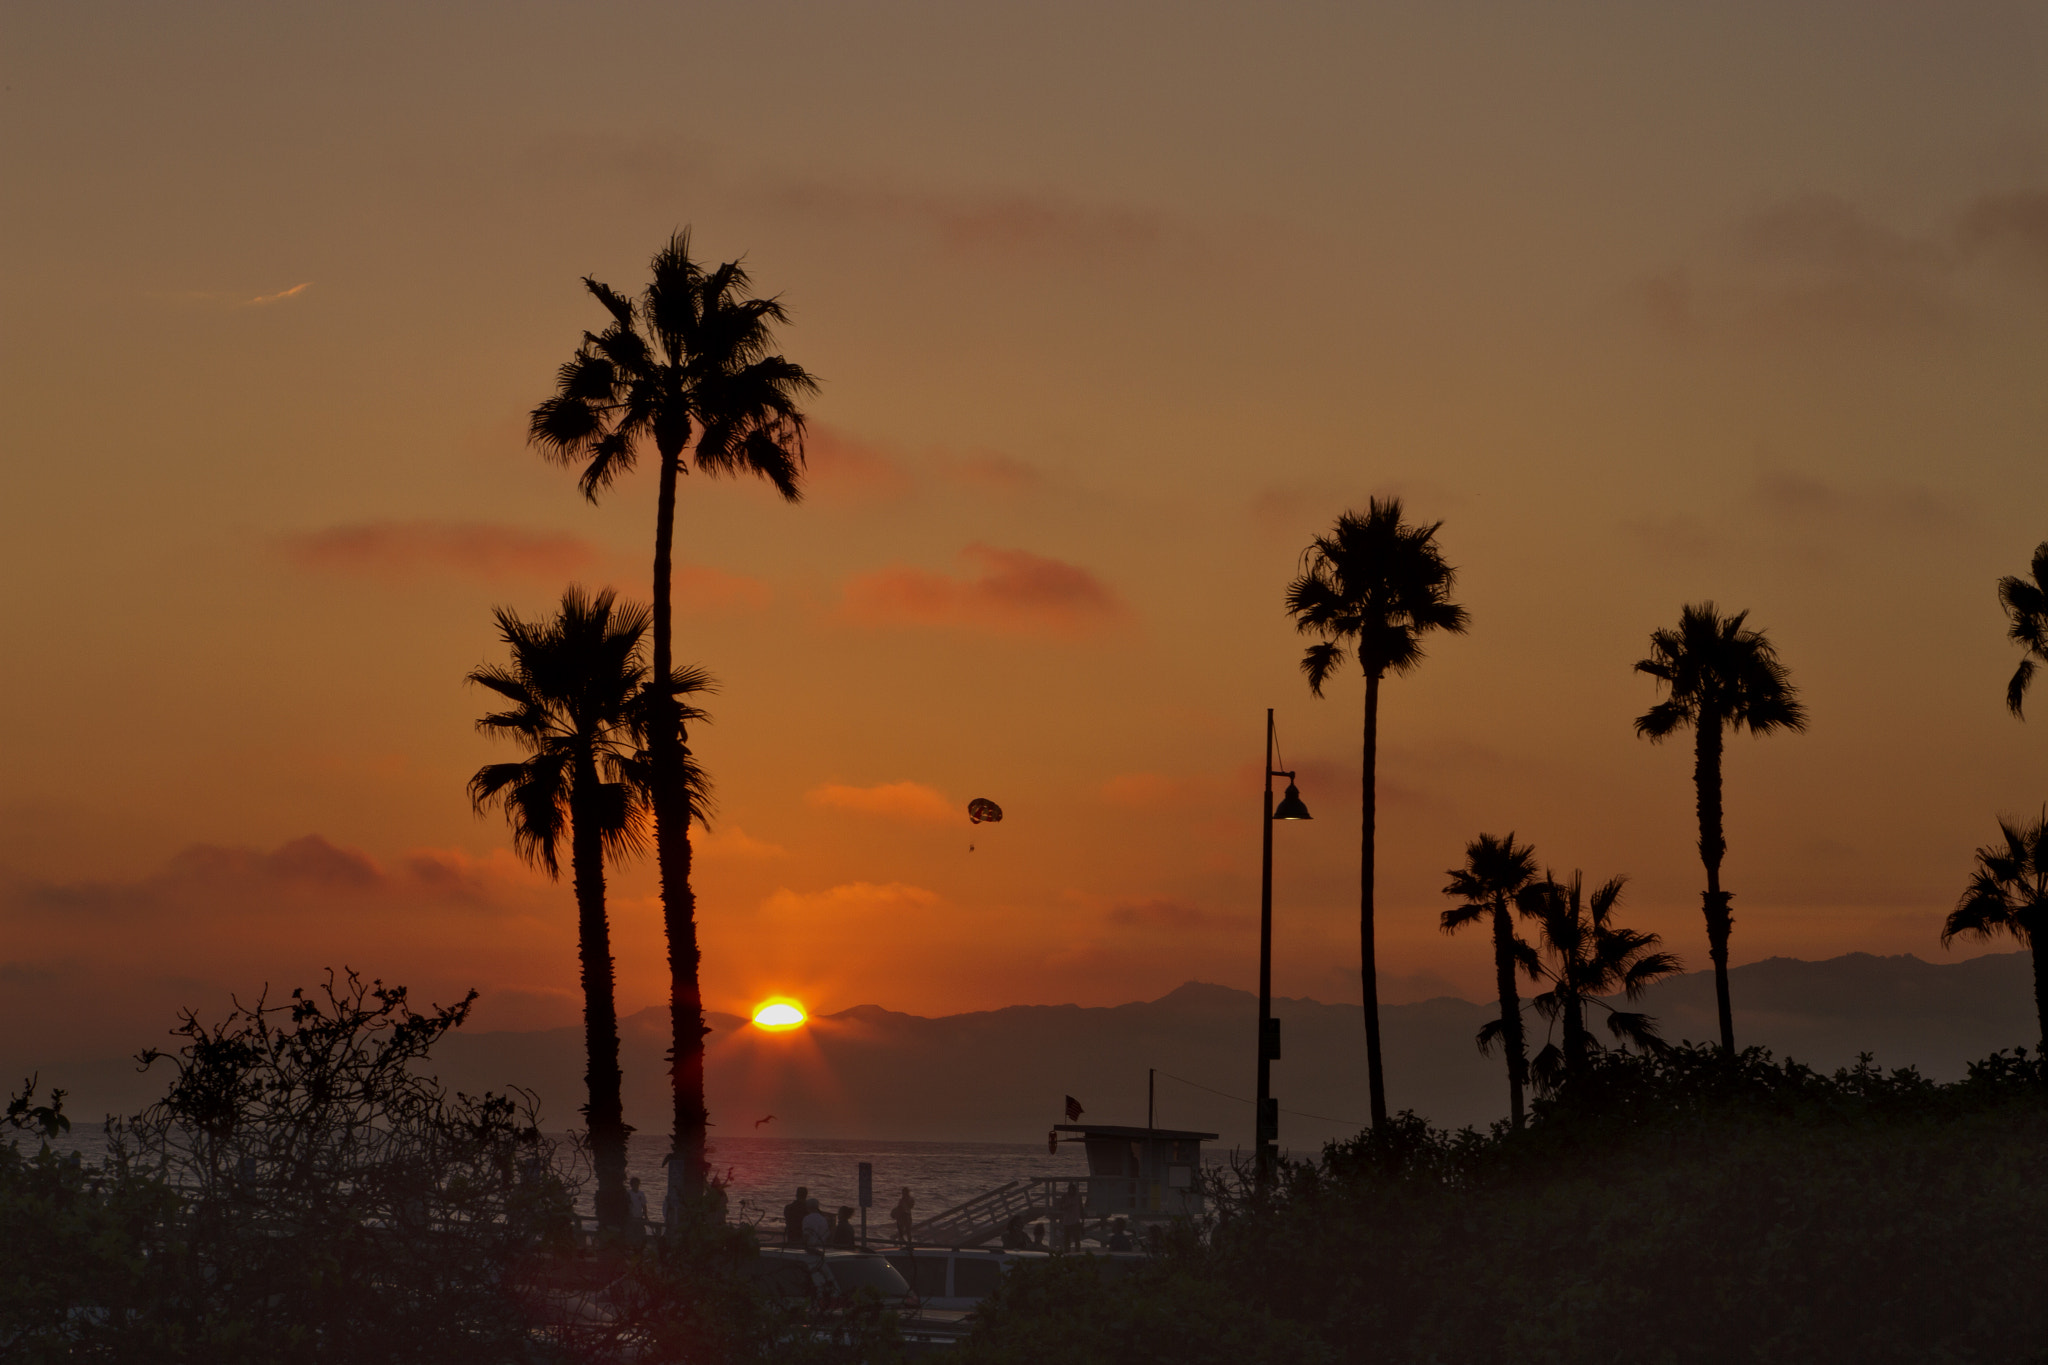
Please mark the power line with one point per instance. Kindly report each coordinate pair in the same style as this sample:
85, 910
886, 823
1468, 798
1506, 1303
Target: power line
1242, 1100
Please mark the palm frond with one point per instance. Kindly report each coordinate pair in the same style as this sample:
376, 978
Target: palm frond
2016, 690
1459, 916
1489, 1033
1318, 662
1639, 1029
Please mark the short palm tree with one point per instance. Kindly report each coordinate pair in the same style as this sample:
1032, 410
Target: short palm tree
2026, 605
1495, 872
687, 367
1718, 676
576, 686
1375, 585
2009, 894
1587, 957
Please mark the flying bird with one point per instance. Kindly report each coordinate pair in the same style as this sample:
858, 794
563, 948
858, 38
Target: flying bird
769, 1119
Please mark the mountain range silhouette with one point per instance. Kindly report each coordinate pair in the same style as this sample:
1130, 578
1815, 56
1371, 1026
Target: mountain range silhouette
1001, 1075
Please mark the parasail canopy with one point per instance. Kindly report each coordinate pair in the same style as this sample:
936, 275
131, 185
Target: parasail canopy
982, 810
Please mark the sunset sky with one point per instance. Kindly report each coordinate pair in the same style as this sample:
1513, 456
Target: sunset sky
1115, 306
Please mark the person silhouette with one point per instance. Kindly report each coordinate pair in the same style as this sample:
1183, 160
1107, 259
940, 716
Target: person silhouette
816, 1226
1072, 1218
636, 1206
843, 1233
901, 1213
793, 1217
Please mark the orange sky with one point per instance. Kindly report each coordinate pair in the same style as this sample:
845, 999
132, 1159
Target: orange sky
1115, 307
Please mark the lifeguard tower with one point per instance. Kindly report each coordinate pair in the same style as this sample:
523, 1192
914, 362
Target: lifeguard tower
1141, 1173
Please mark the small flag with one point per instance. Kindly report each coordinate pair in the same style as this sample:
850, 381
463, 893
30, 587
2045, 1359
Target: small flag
1073, 1110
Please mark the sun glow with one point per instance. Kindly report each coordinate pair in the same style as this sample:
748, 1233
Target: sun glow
778, 1014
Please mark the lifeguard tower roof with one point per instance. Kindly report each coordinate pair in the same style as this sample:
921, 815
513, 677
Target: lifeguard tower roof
1111, 1130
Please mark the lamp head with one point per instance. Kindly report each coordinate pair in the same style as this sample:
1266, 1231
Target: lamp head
1291, 807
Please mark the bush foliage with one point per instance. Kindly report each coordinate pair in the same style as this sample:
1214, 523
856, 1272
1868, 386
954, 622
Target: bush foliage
1669, 1209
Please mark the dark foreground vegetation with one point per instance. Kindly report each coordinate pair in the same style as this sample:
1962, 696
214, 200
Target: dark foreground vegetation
304, 1192
1668, 1208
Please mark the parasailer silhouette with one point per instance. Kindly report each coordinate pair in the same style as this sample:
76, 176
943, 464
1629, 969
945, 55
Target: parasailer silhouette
981, 810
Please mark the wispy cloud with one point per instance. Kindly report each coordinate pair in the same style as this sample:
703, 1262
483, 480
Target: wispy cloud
1014, 592
406, 551
910, 801
1818, 265
282, 294
1805, 519
1160, 912
841, 464
219, 918
1011, 225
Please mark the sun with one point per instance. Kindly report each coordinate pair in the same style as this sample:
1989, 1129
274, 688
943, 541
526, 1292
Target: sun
778, 1015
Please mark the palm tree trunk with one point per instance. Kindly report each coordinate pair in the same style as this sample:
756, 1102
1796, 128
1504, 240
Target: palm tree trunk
2040, 952
1510, 1010
1368, 970
1706, 777
1576, 1039
671, 801
605, 1113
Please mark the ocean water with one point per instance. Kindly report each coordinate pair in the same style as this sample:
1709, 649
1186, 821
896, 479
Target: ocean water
764, 1172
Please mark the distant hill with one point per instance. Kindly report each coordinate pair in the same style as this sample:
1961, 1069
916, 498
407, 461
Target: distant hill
1001, 1075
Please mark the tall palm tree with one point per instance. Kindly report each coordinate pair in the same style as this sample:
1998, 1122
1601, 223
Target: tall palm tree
2026, 604
1589, 956
572, 685
1496, 871
1717, 676
686, 366
2009, 893
1375, 585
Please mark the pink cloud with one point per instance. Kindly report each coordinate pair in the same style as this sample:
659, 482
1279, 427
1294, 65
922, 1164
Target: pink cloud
1157, 912
1015, 592
840, 463
894, 800
994, 472
405, 551
1011, 226
410, 549
1143, 790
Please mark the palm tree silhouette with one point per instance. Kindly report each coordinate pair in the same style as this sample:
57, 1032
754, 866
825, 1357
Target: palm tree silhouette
1589, 956
2026, 603
2009, 893
1495, 872
687, 366
576, 686
1377, 584
1716, 674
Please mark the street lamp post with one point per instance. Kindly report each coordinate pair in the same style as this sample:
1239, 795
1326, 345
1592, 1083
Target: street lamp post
1267, 1117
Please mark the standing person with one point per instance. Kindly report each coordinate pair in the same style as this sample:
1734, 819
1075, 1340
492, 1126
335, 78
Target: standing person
843, 1233
816, 1226
793, 1217
901, 1213
636, 1209
1072, 1218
